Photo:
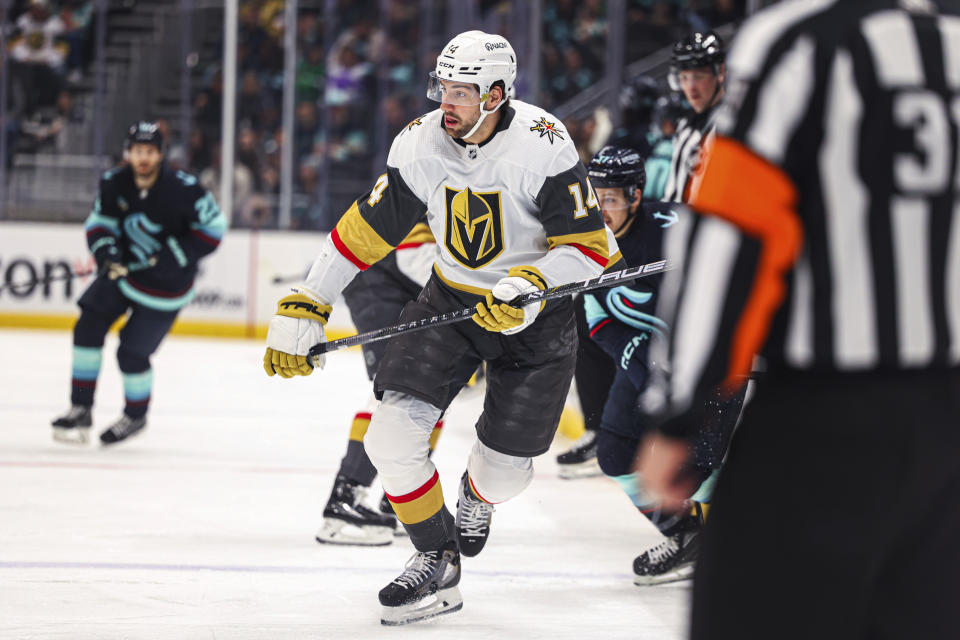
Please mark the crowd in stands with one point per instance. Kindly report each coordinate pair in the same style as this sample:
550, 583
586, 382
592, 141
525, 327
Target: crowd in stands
48, 49
350, 97
366, 75
369, 76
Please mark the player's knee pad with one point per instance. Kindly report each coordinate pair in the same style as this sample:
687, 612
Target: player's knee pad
497, 476
91, 328
131, 359
615, 453
398, 441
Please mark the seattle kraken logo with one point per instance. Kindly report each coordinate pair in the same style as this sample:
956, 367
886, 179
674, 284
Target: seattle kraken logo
623, 302
474, 226
140, 230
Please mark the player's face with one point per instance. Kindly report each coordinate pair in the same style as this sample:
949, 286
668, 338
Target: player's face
614, 206
460, 103
700, 87
145, 159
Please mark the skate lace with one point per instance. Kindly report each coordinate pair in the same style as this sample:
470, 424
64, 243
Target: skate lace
122, 425
418, 568
75, 412
664, 551
474, 516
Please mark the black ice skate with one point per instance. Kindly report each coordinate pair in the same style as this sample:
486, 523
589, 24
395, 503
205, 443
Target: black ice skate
580, 460
671, 560
123, 429
387, 509
74, 427
473, 520
347, 521
426, 588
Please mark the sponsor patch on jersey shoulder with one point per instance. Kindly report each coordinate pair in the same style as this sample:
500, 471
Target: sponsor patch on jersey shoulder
546, 128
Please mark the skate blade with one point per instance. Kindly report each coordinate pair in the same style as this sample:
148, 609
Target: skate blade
442, 602
677, 575
589, 469
335, 531
72, 435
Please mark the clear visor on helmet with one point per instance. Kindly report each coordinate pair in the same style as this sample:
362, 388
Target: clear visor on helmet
612, 198
678, 77
454, 92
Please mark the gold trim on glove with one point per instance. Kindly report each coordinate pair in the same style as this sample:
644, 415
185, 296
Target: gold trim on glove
300, 305
285, 364
497, 315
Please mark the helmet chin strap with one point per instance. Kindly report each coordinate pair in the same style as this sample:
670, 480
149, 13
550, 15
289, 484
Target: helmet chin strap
625, 225
483, 116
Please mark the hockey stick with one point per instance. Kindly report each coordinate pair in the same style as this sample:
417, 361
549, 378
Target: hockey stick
70, 275
604, 280
287, 279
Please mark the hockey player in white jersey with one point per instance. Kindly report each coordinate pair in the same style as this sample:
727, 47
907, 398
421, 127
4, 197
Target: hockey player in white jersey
513, 212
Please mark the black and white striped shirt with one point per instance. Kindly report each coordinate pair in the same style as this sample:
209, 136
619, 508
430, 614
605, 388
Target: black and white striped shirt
687, 146
832, 236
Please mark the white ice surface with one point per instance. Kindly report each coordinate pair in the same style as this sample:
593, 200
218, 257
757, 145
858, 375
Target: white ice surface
202, 527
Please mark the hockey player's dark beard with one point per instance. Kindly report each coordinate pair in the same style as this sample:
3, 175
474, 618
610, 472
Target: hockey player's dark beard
146, 178
459, 131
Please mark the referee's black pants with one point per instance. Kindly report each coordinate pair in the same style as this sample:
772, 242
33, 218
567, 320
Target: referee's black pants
837, 515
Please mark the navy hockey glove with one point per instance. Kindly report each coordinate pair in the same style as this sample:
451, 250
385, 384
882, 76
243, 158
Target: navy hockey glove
108, 262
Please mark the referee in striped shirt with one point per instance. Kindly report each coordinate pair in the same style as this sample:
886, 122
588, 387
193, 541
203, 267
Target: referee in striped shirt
830, 248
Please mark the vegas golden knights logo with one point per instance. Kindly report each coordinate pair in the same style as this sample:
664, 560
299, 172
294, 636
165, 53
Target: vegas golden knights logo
474, 226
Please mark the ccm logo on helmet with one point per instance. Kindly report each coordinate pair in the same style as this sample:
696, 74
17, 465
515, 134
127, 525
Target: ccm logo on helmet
490, 46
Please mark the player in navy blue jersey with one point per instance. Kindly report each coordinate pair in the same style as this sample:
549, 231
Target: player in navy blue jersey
622, 321
148, 230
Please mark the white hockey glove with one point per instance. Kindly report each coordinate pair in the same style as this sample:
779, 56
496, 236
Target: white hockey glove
495, 314
297, 326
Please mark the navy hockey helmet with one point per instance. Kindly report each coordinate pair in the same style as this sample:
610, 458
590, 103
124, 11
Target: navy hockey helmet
670, 108
699, 49
638, 98
144, 132
618, 167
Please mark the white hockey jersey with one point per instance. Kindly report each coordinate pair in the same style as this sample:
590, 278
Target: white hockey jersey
520, 198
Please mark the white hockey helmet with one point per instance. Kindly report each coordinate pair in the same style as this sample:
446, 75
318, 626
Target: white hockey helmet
476, 58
